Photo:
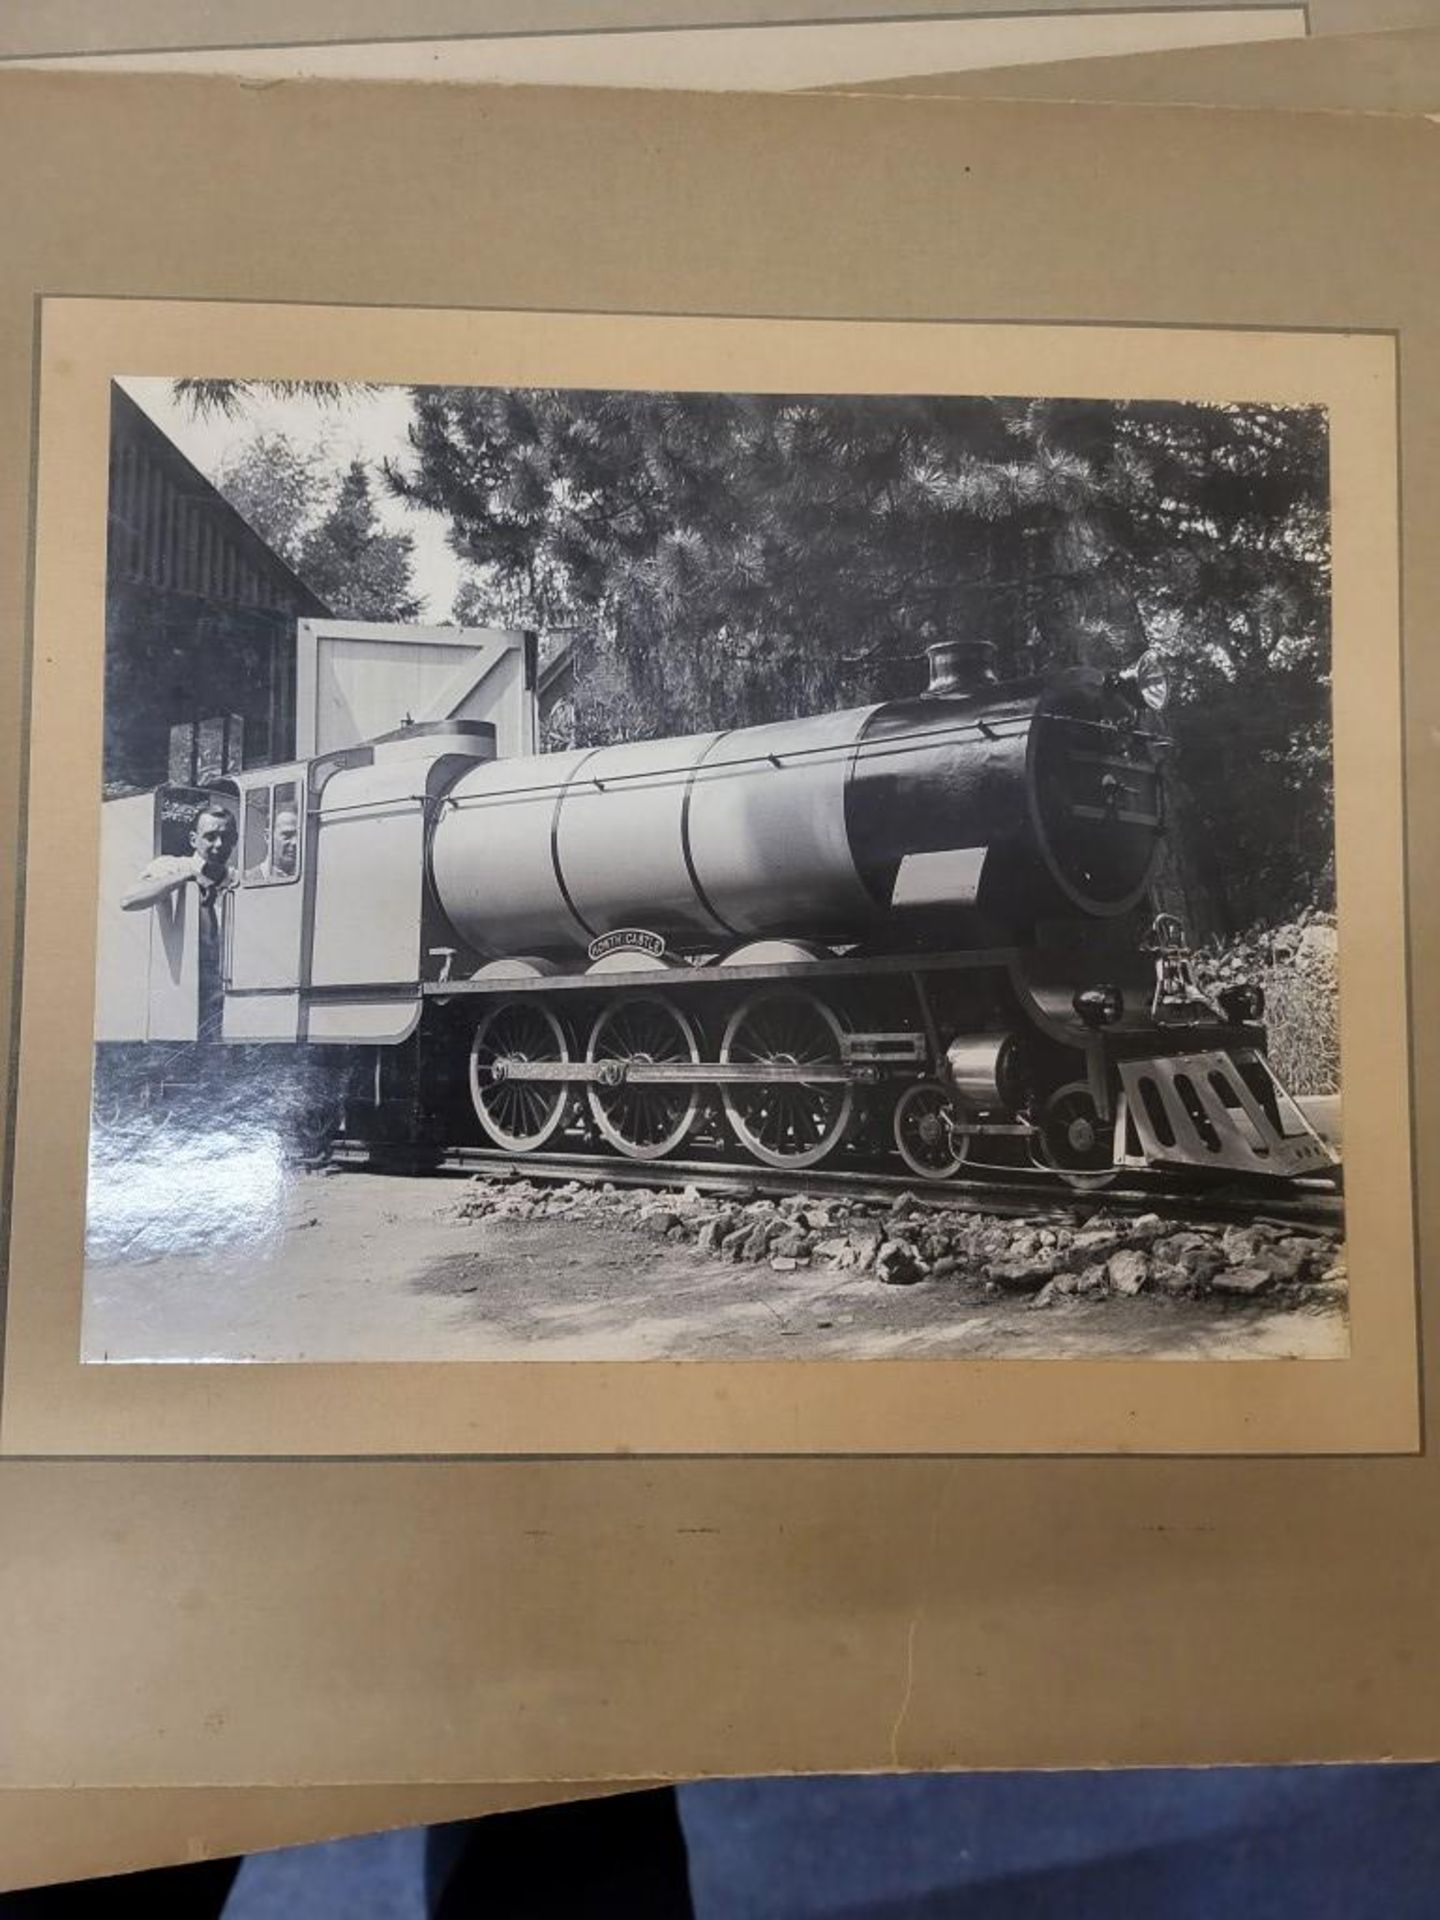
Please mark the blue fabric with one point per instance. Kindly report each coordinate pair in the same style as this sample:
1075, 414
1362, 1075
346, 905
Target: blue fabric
1263, 1844
1341, 1843
376, 1876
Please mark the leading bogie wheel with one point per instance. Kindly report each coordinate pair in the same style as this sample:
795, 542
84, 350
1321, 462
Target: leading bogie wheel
787, 1121
519, 1115
643, 1121
1073, 1140
926, 1118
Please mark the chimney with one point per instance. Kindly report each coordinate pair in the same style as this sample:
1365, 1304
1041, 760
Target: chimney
959, 667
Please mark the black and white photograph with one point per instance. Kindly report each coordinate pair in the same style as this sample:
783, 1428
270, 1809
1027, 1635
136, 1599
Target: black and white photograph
620, 875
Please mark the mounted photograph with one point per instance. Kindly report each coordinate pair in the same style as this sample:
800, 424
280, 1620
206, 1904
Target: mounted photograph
607, 874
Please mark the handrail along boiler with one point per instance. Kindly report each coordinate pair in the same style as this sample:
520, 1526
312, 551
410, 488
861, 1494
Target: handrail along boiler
917, 927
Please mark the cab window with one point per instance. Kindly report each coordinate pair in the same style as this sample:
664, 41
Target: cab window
272, 835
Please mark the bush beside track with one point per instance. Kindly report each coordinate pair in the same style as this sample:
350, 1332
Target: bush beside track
1297, 965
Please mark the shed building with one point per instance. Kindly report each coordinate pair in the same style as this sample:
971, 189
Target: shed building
200, 621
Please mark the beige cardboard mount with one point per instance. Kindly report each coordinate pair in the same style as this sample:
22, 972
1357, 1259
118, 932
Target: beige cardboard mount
749, 44
186, 1622
1396, 72
49, 1834
769, 54
37, 28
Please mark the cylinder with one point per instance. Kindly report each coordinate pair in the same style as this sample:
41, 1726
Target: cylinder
984, 1069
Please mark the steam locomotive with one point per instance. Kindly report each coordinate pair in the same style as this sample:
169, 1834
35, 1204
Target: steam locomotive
914, 930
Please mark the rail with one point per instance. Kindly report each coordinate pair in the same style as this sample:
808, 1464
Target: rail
1022, 1194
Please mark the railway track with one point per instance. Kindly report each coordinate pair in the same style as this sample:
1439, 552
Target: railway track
1016, 1195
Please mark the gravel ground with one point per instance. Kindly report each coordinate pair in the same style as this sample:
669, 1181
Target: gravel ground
351, 1266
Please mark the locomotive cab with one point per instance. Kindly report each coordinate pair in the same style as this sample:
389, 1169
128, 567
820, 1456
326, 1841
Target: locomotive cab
331, 917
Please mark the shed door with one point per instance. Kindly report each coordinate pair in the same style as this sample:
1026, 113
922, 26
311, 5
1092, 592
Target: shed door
262, 987
365, 685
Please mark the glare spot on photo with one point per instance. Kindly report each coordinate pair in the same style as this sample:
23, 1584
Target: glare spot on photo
157, 1191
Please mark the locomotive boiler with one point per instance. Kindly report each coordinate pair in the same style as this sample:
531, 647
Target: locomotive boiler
944, 810
916, 928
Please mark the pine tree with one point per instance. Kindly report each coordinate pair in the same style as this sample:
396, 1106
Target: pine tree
276, 489
358, 569
725, 558
328, 531
722, 558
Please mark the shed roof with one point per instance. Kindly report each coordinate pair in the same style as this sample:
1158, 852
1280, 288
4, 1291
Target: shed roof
171, 527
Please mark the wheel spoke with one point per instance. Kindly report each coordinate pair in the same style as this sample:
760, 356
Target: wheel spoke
923, 1132
1073, 1140
643, 1122
517, 1115
785, 1122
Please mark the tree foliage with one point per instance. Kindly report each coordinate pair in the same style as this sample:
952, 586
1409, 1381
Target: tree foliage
325, 528
356, 567
1230, 528
727, 558
229, 399
277, 489
723, 558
